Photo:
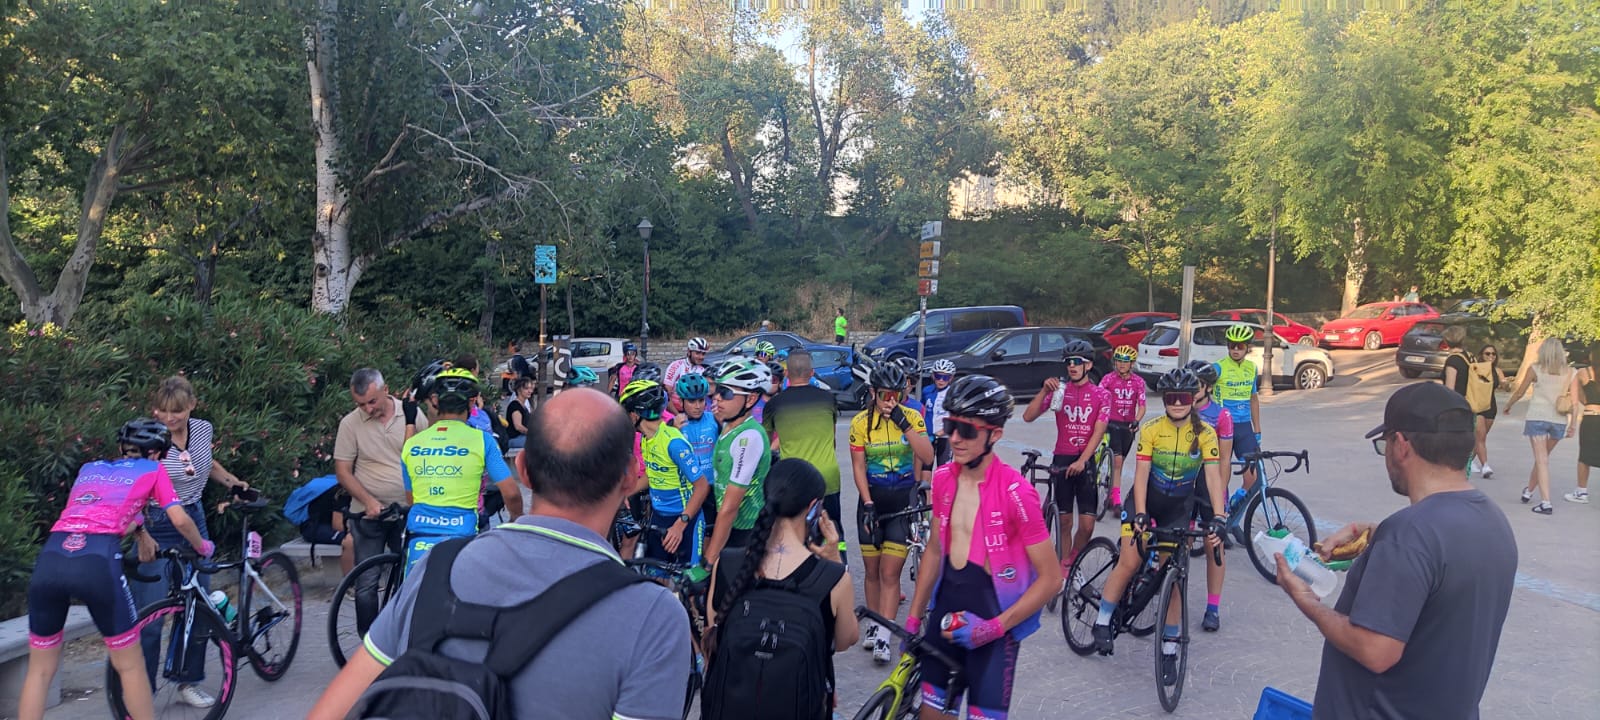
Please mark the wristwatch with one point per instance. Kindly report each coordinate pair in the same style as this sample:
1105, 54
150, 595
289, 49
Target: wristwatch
686, 519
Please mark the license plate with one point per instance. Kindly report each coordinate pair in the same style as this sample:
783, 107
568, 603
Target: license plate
1414, 359
1145, 366
1332, 336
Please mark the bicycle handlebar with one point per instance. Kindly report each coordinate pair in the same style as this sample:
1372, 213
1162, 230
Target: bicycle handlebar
1032, 464
1176, 534
915, 644
1301, 459
913, 510
393, 512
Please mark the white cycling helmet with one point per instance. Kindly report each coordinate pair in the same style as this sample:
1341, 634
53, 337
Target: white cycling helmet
747, 374
944, 367
698, 344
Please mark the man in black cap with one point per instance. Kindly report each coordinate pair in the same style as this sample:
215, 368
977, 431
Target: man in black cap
1415, 630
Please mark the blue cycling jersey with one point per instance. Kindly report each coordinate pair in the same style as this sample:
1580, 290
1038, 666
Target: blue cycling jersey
702, 436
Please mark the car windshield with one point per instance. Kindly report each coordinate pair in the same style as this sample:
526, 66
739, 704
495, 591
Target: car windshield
1366, 312
1161, 335
733, 344
985, 343
1103, 324
905, 324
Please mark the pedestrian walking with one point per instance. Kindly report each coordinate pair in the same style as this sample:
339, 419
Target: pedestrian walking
1552, 414
1588, 419
841, 328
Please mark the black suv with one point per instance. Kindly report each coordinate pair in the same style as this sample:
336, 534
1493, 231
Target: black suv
1022, 357
1423, 349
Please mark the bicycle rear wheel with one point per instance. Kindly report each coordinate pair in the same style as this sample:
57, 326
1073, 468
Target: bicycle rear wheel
1085, 583
1052, 519
208, 651
348, 624
880, 706
1174, 589
1103, 483
1276, 510
271, 615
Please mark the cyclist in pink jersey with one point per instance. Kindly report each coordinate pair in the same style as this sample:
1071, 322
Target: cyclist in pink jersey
82, 561
1127, 411
1081, 417
693, 361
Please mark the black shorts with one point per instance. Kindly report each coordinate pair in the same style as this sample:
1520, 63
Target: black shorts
887, 538
1120, 435
87, 569
655, 550
988, 672
1165, 511
1080, 488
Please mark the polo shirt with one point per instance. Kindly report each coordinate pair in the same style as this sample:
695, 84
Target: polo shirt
373, 449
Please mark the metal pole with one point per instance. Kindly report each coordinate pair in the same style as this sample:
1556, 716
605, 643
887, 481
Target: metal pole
922, 334
1187, 315
644, 308
1272, 277
544, 374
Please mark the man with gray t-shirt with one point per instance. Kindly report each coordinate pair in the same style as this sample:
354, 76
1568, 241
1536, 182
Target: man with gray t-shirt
1415, 630
627, 656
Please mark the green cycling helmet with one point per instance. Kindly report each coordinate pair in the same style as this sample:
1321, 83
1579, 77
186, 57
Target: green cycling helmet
1240, 333
766, 348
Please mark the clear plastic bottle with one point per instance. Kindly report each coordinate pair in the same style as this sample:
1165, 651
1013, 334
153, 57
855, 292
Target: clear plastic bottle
1301, 561
1059, 396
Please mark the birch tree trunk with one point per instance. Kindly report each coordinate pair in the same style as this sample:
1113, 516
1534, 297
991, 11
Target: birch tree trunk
1355, 269
335, 266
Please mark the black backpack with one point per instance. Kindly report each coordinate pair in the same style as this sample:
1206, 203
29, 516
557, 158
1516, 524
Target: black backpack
774, 656
424, 683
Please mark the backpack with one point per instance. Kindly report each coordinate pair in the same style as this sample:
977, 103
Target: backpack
424, 683
774, 653
311, 507
1480, 386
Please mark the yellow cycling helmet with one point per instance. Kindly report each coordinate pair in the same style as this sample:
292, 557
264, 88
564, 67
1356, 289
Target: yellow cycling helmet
1240, 333
1124, 353
459, 382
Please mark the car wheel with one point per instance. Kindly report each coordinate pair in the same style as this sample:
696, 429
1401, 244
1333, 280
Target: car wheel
1410, 374
1307, 340
1310, 376
1373, 341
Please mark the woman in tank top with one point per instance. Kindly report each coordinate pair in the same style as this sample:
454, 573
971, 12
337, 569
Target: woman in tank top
1549, 378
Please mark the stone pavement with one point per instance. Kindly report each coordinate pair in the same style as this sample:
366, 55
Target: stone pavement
1545, 667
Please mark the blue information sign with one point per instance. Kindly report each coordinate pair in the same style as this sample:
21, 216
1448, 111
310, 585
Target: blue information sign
544, 264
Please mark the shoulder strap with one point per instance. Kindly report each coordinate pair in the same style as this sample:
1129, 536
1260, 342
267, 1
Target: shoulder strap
532, 625
436, 602
820, 581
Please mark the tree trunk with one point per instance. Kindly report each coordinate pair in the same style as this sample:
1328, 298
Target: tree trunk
1355, 269
741, 183
572, 323
486, 318
335, 267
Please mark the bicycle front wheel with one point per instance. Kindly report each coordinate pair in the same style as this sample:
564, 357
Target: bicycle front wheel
1103, 484
1276, 510
349, 616
881, 706
270, 623
1173, 590
1052, 521
191, 650
1085, 583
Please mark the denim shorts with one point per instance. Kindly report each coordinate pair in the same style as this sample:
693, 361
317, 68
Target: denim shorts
1540, 428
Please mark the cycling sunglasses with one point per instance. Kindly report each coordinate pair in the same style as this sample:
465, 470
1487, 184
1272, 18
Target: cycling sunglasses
942, 377
1178, 398
1238, 346
893, 395
723, 392
1078, 361
967, 429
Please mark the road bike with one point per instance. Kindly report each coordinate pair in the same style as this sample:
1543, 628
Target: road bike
1163, 576
689, 582
348, 619
1271, 509
921, 528
899, 697
1045, 475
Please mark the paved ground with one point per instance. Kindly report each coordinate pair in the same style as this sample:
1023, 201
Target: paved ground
1545, 666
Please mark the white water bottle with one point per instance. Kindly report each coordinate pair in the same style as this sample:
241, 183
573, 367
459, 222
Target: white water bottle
219, 600
253, 546
1058, 396
1300, 561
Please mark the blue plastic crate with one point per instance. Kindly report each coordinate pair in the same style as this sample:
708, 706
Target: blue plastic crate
1278, 705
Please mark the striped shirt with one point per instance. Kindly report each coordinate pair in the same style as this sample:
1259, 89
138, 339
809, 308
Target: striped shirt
189, 477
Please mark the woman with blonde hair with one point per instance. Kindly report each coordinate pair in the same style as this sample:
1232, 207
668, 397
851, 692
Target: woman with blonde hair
1554, 385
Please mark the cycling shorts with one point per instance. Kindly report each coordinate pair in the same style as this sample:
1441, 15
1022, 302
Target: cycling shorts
888, 538
1164, 511
1244, 438
1077, 489
1120, 435
987, 671
655, 550
87, 569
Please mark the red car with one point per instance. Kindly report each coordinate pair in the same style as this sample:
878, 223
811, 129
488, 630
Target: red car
1129, 328
1289, 330
1375, 325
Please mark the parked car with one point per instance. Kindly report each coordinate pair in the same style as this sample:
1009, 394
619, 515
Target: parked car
949, 330
1299, 366
1129, 328
1289, 330
599, 354
1423, 349
1023, 357
1374, 325
830, 362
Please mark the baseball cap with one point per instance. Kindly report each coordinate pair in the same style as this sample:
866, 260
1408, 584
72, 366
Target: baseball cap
1425, 407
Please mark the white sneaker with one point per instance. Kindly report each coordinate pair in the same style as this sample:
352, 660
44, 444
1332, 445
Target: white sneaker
869, 634
1578, 496
1488, 472
195, 697
1472, 467
880, 651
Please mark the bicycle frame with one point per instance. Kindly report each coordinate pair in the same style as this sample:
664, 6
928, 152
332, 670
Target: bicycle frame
183, 580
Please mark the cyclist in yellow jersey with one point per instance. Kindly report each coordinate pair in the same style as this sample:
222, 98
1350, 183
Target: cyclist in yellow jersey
444, 465
678, 485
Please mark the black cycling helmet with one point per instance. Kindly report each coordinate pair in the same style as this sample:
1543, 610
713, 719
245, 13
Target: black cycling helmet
887, 376
979, 397
776, 368
1179, 380
422, 384
147, 434
1203, 371
908, 365
1077, 347
645, 398
647, 371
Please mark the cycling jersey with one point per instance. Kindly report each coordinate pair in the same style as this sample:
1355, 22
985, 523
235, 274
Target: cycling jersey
933, 413
108, 495
741, 458
677, 369
1127, 396
702, 436
670, 466
1176, 455
890, 462
443, 468
1009, 520
1218, 417
479, 419
1082, 407
1236, 383
803, 420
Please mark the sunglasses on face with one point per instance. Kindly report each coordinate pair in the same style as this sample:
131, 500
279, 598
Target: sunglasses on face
889, 395
1238, 346
1077, 361
1490, 353
942, 377
967, 429
727, 393
1178, 398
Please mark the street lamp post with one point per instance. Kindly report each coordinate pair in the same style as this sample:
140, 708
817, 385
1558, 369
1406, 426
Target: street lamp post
644, 305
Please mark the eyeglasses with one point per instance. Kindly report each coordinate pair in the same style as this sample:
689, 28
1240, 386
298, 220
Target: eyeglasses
1238, 346
1380, 444
1490, 353
1178, 398
1077, 361
724, 392
188, 466
967, 429
942, 377
889, 395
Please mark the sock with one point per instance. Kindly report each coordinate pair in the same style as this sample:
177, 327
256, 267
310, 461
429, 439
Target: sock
1169, 644
1116, 496
1213, 602
1107, 609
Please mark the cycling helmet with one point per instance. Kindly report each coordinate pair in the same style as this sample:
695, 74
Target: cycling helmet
692, 386
456, 382
645, 398
1077, 348
647, 371
146, 434
782, 356
776, 368
752, 376
1203, 371
887, 376
980, 397
944, 367
1124, 353
629, 347
422, 384
1179, 380
1240, 333
697, 344
908, 365
766, 348
582, 377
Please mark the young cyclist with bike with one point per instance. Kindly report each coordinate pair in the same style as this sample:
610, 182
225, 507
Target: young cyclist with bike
693, 361
888, 443
81, 561
996, 568
1176, 465
1238, 389
1212, 413
1127, 411
1081, 418
678, 485
741, 456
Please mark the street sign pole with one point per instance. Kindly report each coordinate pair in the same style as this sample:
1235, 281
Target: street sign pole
927, 284
1272, 277
1187, 318
544, 275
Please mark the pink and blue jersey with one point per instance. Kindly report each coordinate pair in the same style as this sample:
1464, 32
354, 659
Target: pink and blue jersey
1218, 417
108, 496
1082, 406
1127, 396
1009, 520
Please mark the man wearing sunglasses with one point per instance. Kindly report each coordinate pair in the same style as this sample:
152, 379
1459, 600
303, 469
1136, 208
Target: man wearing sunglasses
741, 456
1238, 389
1081, 415
989, 567
933, 411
